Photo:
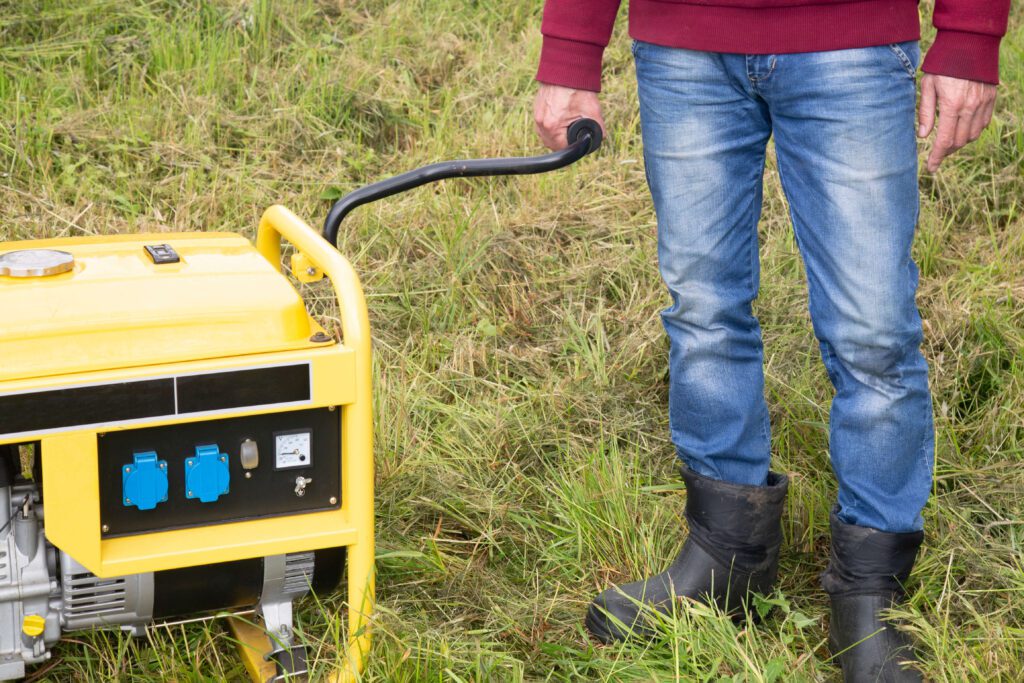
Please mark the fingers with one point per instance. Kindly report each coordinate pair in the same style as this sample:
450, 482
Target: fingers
971, 111
926, 110
963, 128
545, 121
550, 136
945, 138
958, 110
556, 107
981, 119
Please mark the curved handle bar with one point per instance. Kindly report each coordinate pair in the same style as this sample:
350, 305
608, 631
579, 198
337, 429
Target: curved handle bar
584, 137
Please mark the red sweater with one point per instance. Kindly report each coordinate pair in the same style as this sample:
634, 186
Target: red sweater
576, 32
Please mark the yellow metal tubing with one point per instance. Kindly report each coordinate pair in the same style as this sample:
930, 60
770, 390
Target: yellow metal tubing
357, 418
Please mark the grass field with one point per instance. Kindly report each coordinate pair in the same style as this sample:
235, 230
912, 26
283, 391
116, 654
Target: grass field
522, 450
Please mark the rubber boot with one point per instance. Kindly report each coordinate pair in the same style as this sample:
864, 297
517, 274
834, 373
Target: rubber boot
732, 550
865, 576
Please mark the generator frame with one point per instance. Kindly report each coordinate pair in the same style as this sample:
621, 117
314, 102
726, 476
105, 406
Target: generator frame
71, 475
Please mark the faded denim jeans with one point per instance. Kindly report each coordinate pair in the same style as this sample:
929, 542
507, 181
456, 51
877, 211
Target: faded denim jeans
843, 125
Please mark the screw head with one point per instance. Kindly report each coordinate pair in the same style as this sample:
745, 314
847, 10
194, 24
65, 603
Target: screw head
333, 500
189, 494
127, 468
248, 475
105, 528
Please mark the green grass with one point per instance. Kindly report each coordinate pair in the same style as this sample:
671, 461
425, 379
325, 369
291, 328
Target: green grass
523, 459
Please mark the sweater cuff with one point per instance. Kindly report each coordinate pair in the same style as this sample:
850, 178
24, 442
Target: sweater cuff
971, 56
570, 63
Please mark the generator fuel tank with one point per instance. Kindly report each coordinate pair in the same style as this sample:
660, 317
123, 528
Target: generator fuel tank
134, 300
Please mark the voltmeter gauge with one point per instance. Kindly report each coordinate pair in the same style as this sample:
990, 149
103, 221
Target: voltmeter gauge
293, 449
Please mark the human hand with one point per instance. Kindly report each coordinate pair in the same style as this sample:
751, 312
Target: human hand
965, 108
556, 107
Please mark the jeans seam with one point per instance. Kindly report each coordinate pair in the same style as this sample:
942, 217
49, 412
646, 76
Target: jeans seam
755, 255
904, 59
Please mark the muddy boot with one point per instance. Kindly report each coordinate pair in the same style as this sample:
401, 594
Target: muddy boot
732, 550
865, 577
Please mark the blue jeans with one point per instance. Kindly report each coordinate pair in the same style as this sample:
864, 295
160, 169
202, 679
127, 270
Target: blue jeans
843, 123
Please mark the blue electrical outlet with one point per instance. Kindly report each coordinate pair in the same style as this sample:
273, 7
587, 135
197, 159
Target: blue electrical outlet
144, 482
207, 476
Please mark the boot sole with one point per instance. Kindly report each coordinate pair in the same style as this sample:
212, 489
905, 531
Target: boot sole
597, 624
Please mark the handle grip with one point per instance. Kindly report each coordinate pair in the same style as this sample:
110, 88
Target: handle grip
584, 137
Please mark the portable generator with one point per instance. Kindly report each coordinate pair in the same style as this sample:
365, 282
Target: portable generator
179, 436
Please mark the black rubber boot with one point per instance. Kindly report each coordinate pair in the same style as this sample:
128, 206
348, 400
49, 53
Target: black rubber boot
865, 576
732, 550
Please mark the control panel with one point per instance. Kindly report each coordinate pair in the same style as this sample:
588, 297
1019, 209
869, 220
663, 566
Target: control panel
217, 471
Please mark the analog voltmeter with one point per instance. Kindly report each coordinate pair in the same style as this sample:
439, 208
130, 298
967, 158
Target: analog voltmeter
293, 449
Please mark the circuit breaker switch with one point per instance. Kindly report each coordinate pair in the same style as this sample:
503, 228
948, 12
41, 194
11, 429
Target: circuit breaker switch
250, 455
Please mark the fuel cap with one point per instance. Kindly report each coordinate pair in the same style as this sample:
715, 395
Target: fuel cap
35, 263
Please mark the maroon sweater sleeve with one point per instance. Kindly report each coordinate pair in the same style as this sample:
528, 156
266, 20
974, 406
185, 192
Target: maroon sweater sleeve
576, 32
967, 42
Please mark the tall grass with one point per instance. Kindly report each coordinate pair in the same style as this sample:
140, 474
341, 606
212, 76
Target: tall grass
523, 459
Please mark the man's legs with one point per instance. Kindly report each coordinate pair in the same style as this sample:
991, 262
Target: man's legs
844, 137
705, 134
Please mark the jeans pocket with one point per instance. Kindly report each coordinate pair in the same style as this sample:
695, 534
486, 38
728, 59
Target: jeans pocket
635, 47
908, 54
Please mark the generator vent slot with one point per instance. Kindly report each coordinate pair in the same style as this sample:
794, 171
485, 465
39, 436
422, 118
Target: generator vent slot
87, 595
298, 573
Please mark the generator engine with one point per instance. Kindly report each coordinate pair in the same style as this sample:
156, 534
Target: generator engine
180, 437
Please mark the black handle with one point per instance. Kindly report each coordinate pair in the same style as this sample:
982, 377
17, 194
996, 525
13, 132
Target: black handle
584, 137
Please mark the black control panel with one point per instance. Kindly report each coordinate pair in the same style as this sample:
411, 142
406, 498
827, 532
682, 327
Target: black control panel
216, 471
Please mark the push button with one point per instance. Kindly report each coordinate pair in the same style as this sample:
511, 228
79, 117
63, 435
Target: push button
162, 253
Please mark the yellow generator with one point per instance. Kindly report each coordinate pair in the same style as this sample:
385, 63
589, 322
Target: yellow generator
179, 436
